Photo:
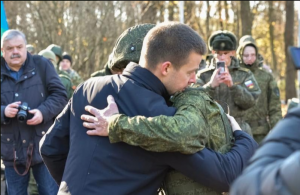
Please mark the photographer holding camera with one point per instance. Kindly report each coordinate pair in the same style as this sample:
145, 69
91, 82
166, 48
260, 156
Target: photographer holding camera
32, 95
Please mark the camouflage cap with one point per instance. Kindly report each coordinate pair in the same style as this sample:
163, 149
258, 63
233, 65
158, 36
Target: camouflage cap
30, 48
129, 45
49, 55
222, 40
246, 38
56, 49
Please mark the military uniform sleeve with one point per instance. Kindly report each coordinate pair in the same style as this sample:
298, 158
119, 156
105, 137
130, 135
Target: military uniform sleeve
185, 132
54, 145
274, 107
245, 94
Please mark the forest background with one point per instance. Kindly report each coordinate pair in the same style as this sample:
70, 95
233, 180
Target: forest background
88, 30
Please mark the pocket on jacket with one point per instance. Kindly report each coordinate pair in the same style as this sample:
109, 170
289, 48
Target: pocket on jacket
7, 152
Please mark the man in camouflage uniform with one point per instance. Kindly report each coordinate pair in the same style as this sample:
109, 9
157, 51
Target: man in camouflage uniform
267, 112
64, 77
65, 65
236, 89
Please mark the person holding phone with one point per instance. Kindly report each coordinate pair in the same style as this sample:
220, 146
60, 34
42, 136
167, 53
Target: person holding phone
233, 86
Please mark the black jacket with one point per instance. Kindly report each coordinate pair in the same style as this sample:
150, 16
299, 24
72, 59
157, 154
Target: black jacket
38, 73
275, 167
92, 165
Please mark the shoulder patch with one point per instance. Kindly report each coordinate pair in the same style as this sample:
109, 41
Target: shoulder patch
249, 84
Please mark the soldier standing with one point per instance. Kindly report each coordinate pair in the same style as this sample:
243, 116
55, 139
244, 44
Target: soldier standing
235, 89
267, 112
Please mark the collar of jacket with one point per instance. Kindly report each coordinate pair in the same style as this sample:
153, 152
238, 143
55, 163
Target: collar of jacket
28, 65
252, 67
145, 78
107, 70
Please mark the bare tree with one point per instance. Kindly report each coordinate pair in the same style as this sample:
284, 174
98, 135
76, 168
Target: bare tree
271, 32
290, 88
246, 17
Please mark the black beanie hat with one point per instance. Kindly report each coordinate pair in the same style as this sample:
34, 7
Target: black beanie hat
68, 57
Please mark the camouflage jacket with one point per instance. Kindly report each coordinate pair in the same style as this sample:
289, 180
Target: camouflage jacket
240, 97
189, 130
66, 81
199, 122
75, 78
267, 112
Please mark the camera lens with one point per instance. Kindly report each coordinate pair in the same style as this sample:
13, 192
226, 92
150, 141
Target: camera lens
22, 116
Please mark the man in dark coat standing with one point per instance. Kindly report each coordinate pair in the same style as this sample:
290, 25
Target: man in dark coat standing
32, 95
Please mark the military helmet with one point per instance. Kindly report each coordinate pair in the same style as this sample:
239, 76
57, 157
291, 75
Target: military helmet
247, 38
128, 46
222, 40
56, 49
49, 55
30, 48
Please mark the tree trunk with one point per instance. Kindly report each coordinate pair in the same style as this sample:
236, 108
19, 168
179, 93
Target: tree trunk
226, 15
171, 10
220, 16
271, 31
247, 18
236, 28
290, 88
207, 20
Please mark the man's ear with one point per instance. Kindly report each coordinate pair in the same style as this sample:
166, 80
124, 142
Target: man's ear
233, 52
165, 67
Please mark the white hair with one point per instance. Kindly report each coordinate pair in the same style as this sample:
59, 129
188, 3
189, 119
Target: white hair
10, 34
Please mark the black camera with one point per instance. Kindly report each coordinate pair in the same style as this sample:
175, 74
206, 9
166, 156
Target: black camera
23, 112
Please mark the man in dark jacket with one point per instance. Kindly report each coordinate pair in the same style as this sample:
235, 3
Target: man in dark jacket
274, 168
84, 164
32, 80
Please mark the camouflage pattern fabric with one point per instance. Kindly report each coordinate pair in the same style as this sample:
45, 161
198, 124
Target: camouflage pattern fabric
66, 81
267, 112
127, 49
199, 122
75, 78
240, 97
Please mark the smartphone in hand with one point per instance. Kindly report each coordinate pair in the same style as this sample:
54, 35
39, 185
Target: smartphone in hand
222, 66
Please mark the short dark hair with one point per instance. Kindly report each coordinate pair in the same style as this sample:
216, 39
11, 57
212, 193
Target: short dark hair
172, 41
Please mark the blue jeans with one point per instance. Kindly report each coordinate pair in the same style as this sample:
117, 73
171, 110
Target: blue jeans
17, 185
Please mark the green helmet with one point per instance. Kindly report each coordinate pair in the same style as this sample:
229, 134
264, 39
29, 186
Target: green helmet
49, 55
128, 46
56, 50
222, 40
247, 38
